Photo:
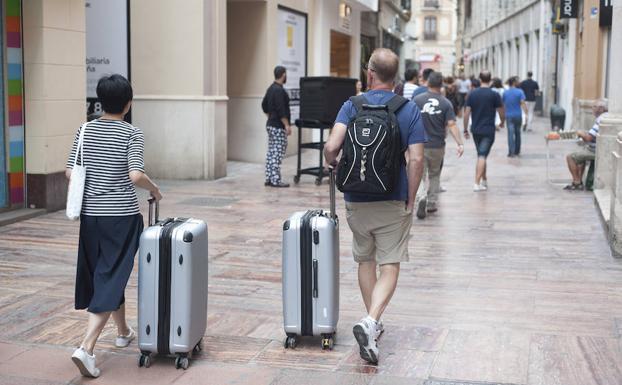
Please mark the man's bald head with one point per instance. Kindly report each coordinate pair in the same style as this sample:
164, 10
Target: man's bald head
385, 64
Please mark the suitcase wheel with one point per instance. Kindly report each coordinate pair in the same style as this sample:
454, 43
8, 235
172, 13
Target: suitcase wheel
199, 347
328, 341
144, 360
318, 181
291, 342
182, 362
296, 179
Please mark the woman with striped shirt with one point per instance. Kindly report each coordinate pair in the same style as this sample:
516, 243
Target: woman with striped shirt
110, 222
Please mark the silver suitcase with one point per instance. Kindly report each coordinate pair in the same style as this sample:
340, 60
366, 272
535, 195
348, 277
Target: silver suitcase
172, 288
311, 274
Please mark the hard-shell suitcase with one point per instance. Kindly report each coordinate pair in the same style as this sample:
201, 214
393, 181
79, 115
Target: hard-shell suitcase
172, 288
311, 274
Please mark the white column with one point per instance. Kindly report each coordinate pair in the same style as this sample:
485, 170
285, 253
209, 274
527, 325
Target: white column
524, 59
608, 177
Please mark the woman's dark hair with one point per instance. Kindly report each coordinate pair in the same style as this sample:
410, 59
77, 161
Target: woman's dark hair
411, 74
114, 92
476, 83
496, 83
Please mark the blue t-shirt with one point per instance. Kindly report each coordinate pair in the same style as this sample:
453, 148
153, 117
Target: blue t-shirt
411, 128
419, 90
484, 103
512, 98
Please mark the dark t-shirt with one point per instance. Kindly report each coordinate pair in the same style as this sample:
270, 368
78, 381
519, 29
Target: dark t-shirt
276, 104
411, 128
418, 91
436, 111
484, 103
529, 87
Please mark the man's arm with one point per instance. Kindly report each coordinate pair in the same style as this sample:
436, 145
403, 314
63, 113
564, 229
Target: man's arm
453, 130
524, 107
415, 172
467, 115
332, 147
501, 112
587, 137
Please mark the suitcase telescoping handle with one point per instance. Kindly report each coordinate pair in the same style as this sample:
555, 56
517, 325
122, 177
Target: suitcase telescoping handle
332, 188
154, 211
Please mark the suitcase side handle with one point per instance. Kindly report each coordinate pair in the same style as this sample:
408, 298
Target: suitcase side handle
154, 211
332, 192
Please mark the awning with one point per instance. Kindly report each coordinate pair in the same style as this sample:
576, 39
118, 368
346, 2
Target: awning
427, 57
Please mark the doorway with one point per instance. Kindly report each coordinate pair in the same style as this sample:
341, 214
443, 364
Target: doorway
339, 54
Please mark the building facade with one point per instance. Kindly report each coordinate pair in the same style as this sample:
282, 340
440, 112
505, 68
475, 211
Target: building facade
199, 69
432, 35
393, 17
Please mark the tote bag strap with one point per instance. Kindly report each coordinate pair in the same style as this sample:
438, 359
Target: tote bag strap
80, 148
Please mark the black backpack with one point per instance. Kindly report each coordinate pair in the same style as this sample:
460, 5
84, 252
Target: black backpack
372, 151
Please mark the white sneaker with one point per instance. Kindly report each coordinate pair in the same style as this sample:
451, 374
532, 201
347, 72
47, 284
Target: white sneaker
479, 187
365, 333
421, 208
124, 341
85, 363
442, 189
484, 183
379, 329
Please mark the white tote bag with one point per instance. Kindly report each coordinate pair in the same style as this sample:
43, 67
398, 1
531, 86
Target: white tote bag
75, 193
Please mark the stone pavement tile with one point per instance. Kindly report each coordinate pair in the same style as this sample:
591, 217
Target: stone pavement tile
29, 312
396, 363
486, 356
567, 360
119, 369
45, 363
390, 380
13, 380
320, 377
226, 374
231, 348
308, 354
55, 331
9, 350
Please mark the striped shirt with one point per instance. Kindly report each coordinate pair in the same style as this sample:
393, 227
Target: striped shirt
112, 149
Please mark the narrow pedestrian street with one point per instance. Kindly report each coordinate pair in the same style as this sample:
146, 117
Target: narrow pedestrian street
515, 285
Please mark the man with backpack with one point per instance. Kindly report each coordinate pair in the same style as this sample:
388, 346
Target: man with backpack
378, 132
438, 116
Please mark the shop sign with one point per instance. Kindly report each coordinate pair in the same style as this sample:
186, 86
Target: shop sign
569, 9
292, 53
107, 45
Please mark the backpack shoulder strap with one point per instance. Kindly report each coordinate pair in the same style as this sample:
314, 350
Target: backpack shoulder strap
358, 102
396, 103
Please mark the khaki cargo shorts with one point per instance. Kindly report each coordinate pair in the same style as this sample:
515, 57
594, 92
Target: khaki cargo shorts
381, 231
583, 155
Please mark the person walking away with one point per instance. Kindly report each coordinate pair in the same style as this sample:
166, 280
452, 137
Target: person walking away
110, 221
482, 103
514, 104
497, 86
438, 117
275, 105
464, 86
381, 224
576, 161
411, 75
423, 84
531, 89
451, 93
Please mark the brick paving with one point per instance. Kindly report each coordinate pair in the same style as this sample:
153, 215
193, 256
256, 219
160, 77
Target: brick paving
512, 286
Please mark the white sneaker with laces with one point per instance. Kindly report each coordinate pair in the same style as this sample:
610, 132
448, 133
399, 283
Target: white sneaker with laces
85, 363
479, 187
484, 183
365, 333
124, 341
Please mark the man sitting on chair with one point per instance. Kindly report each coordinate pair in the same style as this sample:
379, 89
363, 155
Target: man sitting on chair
587, 152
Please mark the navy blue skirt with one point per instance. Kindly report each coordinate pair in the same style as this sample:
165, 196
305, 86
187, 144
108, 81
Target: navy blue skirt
106, 254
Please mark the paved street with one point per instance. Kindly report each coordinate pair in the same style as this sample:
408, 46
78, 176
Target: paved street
512, 286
